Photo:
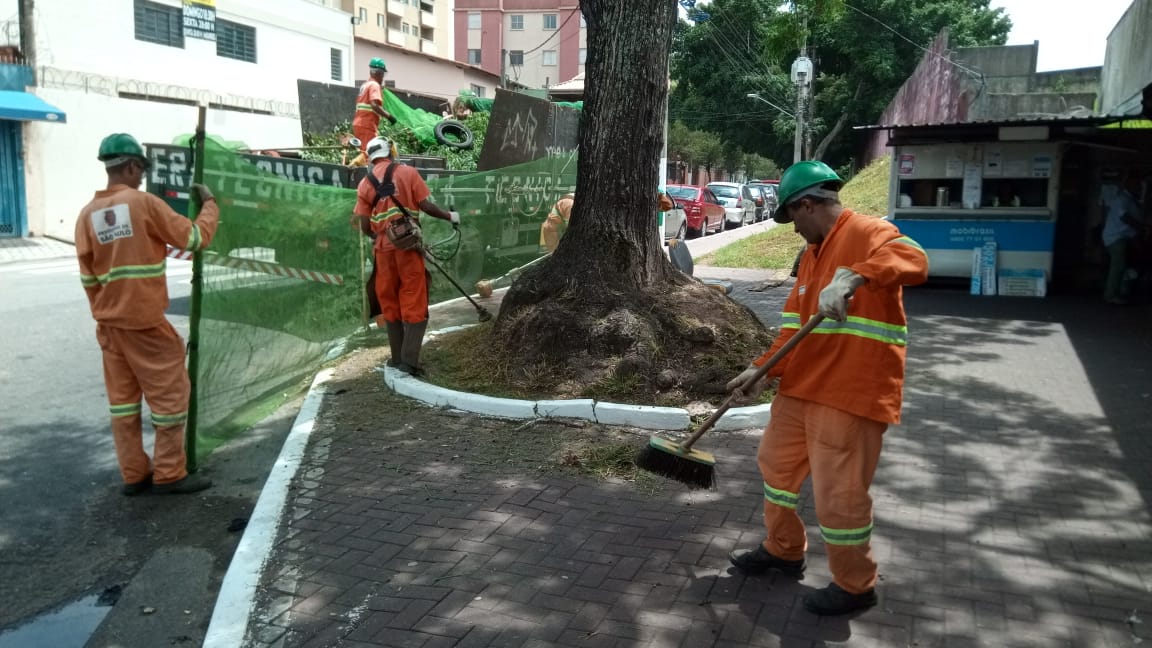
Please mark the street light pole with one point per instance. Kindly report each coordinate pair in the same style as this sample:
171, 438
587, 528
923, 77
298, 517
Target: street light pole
801, 76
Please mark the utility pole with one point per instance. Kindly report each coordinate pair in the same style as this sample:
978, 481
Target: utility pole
26, 10
801, 77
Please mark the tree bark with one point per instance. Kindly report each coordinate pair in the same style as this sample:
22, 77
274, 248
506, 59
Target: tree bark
609, 294
839, 126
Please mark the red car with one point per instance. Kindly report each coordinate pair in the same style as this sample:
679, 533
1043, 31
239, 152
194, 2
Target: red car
703, 211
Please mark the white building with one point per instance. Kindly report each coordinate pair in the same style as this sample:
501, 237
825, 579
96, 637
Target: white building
132, 66
423, 26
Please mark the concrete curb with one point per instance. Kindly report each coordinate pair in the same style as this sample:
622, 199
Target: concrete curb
646, 417
237, 596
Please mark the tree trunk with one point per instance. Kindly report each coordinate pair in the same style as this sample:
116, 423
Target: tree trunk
839, 126
608, 298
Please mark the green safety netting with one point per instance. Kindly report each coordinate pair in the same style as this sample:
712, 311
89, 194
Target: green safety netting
485, 105
421, 122
283, 279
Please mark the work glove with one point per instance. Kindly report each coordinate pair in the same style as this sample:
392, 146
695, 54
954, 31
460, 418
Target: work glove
751, 392
454, 216
834, 298
203, 192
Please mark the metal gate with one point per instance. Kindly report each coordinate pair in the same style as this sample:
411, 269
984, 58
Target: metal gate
13, 211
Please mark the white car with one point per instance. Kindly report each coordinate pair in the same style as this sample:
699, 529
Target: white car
739, 206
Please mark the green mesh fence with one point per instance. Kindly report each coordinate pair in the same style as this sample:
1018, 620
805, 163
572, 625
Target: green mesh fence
283, 278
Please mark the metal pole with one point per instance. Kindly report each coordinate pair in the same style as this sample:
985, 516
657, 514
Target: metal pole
798, 142
503, 70
194, 206
27, 11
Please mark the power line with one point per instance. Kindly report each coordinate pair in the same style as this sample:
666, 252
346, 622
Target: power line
914, 43
553, 34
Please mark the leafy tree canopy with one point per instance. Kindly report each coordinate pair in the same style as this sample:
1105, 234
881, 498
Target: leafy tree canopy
863, 51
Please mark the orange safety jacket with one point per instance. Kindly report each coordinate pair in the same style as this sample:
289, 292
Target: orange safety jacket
365, 116
856, 365
121, 244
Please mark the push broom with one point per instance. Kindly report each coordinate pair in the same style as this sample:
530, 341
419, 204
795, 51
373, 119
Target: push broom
696, 468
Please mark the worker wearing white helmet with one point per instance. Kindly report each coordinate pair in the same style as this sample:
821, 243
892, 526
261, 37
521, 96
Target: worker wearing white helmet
388, 202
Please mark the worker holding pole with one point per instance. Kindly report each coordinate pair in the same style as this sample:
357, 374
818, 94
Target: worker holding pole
121, 245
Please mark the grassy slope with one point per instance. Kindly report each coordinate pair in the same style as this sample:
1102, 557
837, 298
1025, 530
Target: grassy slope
867, 192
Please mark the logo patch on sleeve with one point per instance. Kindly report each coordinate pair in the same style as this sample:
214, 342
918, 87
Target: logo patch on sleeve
112, 223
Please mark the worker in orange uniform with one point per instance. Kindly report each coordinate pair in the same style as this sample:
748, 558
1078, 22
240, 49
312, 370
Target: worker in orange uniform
370, 105
839, 389
121, 238
558, 216
394, 192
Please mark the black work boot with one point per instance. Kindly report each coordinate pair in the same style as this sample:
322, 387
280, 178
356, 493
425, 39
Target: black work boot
758, 561
190, 484
413, 342
132, 489
833, 600
395, 341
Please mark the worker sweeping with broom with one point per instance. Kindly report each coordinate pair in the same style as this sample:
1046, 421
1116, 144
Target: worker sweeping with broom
839, 390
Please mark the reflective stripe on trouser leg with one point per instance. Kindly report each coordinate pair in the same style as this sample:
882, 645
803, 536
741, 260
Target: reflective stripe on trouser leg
844, 450
124, 407
156, 356
783, 460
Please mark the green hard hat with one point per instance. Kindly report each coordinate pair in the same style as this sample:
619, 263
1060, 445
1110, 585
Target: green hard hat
805, 178
117, 148
377, 64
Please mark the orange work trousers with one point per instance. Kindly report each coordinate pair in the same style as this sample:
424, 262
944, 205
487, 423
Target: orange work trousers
841, 451
149, 363
402, 285
365, 131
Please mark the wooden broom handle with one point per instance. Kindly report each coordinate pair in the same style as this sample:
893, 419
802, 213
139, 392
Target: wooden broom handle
813, 322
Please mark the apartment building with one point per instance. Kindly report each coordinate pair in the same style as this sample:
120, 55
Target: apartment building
143, 67
538, 43
415, 25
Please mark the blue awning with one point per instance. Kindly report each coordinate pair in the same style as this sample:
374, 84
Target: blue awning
22, 106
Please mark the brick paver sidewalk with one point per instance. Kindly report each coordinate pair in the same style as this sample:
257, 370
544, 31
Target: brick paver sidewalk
1011, 510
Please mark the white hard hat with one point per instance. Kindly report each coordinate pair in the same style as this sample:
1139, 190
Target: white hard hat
378, 147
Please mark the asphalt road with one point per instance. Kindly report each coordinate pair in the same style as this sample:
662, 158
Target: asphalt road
66, 533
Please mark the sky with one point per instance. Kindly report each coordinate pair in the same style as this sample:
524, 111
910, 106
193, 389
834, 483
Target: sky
1072, 33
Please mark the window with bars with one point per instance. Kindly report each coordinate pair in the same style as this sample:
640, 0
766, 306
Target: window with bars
473, 57
160, 24
235, 41
516, 57
336, 59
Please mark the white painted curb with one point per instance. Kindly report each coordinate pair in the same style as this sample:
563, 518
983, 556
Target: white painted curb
646, 417
238, 591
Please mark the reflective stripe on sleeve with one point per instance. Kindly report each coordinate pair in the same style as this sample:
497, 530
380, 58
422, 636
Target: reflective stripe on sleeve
193, 239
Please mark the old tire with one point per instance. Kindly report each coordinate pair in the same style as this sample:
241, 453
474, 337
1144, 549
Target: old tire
453, 134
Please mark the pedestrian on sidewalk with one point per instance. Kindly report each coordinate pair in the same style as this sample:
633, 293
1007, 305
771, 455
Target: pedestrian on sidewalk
121, 243
1123, 223
385, 198
839, 389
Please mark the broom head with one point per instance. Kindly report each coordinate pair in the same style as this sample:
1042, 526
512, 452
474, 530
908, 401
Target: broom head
693, 468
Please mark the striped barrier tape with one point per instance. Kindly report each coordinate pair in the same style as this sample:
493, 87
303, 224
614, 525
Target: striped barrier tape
264, 267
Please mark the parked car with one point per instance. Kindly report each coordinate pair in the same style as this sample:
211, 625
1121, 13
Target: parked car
702, 209
675, 224
768, 199
738, 203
